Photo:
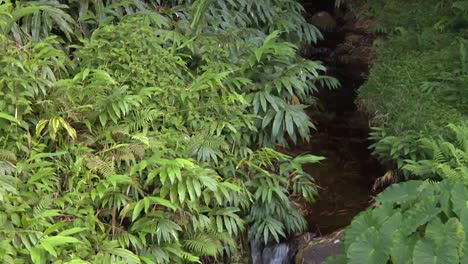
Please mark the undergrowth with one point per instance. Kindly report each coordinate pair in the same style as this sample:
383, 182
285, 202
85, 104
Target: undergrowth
144, 131
417, 96
417, 85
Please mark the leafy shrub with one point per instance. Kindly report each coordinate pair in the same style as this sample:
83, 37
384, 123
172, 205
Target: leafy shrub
446, 158
144, 141
274, 185
413, 222
415, 89
417, 85
393, 149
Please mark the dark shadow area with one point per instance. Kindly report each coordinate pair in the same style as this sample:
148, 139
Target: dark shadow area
345, 178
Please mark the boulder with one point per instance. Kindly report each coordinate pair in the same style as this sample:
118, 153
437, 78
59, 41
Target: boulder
324, 21
319, 249
282, 253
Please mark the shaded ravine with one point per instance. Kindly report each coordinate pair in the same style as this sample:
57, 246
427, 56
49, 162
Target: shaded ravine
345, 178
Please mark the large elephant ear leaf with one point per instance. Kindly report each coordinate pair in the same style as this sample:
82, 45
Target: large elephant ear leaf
443, 243
359, 225
435, 231
452, 233
464, 222
369, 248
401, 193
391, 224
402, 248
458, 198
422, 212
455, 230
427, 252
365, 220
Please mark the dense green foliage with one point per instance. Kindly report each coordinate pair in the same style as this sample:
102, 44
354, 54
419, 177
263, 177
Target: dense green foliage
138, 131
416, 93
417, 86
416, 222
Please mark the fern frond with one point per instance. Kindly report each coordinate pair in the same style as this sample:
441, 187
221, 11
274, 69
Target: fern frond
141, 120
206, 147
203, 244
95, 163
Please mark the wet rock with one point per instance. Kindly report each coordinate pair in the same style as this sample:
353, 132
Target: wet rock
256, 250
318, 250
277, 254
282, 253
324, 21
355, 54
315, 52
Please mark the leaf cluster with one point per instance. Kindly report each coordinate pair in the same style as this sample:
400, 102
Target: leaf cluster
413, 222
135, 132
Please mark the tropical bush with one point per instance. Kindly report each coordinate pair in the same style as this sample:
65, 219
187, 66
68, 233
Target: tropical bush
139, 131
414, 222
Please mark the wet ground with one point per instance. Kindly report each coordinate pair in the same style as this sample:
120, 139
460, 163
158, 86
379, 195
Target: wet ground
346, 176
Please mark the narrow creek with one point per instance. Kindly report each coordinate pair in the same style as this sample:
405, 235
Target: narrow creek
345, 178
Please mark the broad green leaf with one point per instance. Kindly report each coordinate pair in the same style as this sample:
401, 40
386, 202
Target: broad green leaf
41, 125
422, 212
37, 255
126, 254
137, 210
289, 124
163, 202
303, 159
182, 191
464, 222
426, 252
400, 193
369, 248
391, 224
459, 198
77, 261
72, 231
60, 240
277, 123
49, 248
54, 227
402, 248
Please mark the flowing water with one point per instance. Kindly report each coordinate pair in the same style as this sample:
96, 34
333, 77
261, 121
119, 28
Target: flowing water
281, 253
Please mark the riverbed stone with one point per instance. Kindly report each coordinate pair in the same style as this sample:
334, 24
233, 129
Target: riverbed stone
319, 249
324, 21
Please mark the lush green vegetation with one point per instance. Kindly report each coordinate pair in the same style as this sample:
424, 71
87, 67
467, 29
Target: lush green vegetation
416, 88
417, 96
143, 132
415, 222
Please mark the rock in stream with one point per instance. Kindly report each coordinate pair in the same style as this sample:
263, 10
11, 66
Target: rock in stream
319, 249
304, 249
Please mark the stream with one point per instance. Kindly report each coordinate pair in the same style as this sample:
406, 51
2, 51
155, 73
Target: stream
345, 178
